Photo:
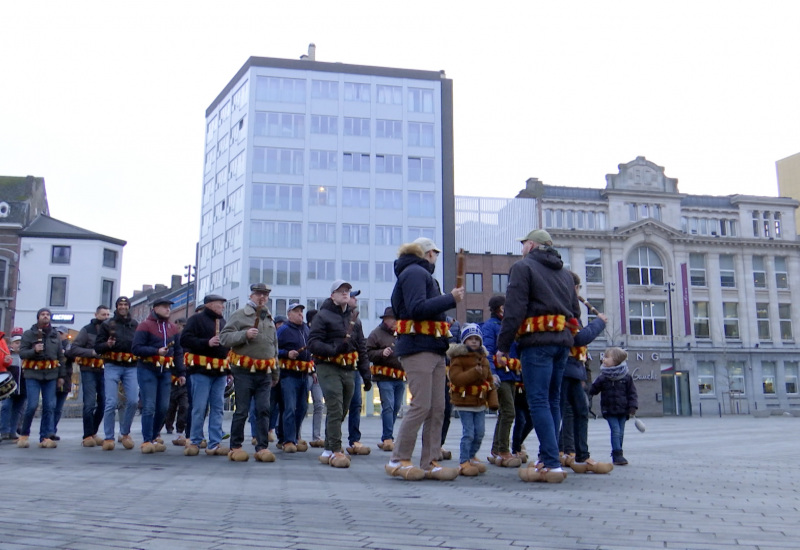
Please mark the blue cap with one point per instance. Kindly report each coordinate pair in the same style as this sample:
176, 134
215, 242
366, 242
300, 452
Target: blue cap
471, 329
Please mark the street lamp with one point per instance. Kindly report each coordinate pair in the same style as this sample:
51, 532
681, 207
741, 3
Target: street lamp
189, 269
669, 289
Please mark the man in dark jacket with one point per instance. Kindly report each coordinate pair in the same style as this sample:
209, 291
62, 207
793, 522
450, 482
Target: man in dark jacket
354, 417
540, 311
296, 364
113, 343
44, 368
14, 406
207, 364
388, 372
158, 350
92, 383
338, 349
422, 341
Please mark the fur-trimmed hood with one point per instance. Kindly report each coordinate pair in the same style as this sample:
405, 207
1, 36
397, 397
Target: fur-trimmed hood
410, 248
459, 350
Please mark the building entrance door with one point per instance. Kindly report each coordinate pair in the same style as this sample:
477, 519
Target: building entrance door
676, 393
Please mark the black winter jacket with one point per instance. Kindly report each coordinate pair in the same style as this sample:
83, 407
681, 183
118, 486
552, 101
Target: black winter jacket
328, 330
199, 329
617, 397
83, 345
123, 329
576, 369
377, 341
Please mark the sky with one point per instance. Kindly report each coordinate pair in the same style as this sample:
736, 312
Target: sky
106, 100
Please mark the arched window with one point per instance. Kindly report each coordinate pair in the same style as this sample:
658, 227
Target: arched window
645, 267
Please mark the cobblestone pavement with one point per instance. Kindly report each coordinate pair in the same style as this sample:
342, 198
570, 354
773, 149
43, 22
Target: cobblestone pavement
692, 483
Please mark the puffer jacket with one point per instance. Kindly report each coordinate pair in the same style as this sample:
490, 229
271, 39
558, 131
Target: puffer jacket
328, 331
377, 341
152, 334
293, 337
470, 376
538, 285
263, 346
200, 328
52, 351
83, 347
617, 392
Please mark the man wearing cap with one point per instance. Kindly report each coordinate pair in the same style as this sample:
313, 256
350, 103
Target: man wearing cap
13, 405
354, 419
387, 371
113, 343
43, 366
541, 312
338, 349
206, 362
250, 335
92, 384
422, 341
156, 343
296, 365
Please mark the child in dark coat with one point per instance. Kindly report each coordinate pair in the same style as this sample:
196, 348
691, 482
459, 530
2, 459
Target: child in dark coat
618, 399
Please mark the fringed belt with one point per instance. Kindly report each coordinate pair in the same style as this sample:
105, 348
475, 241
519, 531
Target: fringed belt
160, 361
346, 360
428, 328
548, 323
388, 372
91, 362
119, 357
511, 364
43, 364
210, 363
299, 366
481, 390
245, 362
579, 352
519, 387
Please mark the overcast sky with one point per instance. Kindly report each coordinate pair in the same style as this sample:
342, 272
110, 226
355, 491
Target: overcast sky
106, 100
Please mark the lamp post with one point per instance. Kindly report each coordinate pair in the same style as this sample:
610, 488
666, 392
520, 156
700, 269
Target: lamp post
669, 289
188, 269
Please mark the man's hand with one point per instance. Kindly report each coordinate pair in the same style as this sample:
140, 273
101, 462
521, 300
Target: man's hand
293, 353
60, 384
251, 333
38, 347
458, 293
367, 385
274, 383
181, 380
342, 348
603, 317
500, 359
214, 342
111, 342
387, 351
163, 351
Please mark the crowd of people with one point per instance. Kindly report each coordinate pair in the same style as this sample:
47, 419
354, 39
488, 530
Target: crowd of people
528, 362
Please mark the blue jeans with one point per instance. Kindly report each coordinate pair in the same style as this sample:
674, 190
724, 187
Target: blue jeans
523, 424
48, 390
207, 392
94, 400
392, 393
12, 410
114, 374
154, 388
354, 420
61, 398
473, 426
616, 422
542, 372
294, 390
572, 393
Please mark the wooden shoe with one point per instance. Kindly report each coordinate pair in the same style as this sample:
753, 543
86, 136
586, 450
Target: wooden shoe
446, 455
546, 475
203, 444
468, 469
325, 457
358, 449
89, 442
179, 441
147, 448
23, 442
254, 441
191, 450
591, 465
127, 442
339, 460
108, 444
522, 455
47, 444
97, 440
479, 465
237, 455
289, 447
264, 455
507, 460
302, 446
271, 436
159, 447
158, 440
317, 443
386, 445
493, 459
219, 450
404, 469
440, 473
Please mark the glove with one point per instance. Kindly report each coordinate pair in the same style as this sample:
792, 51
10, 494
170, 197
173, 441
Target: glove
344, 347
367, 385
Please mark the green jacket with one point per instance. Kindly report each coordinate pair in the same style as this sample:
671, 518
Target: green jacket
52, 351
263, 346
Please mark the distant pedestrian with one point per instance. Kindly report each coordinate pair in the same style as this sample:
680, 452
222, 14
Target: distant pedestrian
618, 399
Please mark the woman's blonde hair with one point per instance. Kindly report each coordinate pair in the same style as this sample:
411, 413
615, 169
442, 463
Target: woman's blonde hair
618, 355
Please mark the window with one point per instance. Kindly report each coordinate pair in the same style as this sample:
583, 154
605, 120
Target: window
275, 234
231, 275
323, 160
420, 134
205, 223
107, 293
736, 377
420, 169
641, 211
322, 196
759, 273
324, 89
415, 233
321, 270
420, 204
727, 277
237, 166
221, 180
211, 154
355, 271
262, 270
384, 272
730, 314
648, 318
355, 234
762, 321
355, 162
381, 305
109, 258
284, 125
287, 272
241, 95
565, 257
777, 218
600, 305
790, 376
271, 196
388, 235
205, 254
388, 164
321, 232
645, 267
314, 303
781, 274
58, 292
363, 308
218, 245
768, 377
474, 282
356, 126
697, 269
208, 188
222, 145
321, 124
219, 211
420, 100
785, 316
239, 131
224, 112
389, 199
389, 129
355, 197
211, 127
61, 255
274, 160
705, 377
284, 90
233, 237
499, 283
594, 265
701, 324
355, 91
389, 95
236, 201
475, 316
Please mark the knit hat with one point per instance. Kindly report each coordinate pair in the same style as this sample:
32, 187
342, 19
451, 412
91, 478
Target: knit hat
471, 329
43, 309
122, 300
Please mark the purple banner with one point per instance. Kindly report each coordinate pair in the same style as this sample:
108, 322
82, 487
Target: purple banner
622, 311
687, 312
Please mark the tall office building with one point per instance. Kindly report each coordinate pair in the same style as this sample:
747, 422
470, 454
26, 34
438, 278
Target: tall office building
317, 171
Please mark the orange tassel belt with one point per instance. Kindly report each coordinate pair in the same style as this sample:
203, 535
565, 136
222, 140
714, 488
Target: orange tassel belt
92, 362
428, 328
389, 372
245, 362
509, 363
519, 387
547, 323
174, 380
210, 363
481, 390
579, 352
160, 361
44, 364
119, 357
343, 359
299, 366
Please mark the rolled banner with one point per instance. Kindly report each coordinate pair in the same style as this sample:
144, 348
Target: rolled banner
639, 424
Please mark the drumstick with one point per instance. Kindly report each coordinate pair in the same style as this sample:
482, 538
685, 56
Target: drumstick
589, 306
460, 268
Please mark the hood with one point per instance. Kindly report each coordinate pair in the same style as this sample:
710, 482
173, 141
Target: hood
459, 350
548, 257
615, 373
411, 254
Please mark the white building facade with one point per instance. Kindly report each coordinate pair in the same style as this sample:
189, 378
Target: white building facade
319, 171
